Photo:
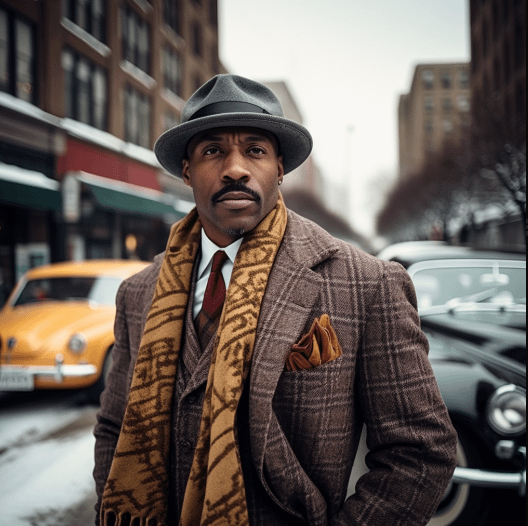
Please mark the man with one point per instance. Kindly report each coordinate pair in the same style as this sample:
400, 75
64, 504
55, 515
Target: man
249, 356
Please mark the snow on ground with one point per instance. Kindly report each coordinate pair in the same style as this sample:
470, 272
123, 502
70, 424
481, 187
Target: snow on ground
43, 420
49, 475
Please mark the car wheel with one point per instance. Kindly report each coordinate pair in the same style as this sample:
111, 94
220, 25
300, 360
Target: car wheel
463, 504
94, 392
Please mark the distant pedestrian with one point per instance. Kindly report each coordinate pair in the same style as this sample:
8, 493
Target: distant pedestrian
249, 355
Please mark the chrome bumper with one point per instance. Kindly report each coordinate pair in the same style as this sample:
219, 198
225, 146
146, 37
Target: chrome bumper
58, 372
492, 479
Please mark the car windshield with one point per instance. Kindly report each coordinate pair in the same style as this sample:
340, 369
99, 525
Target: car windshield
487, 282
100, 290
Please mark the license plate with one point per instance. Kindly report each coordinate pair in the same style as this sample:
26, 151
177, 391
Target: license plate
16, 381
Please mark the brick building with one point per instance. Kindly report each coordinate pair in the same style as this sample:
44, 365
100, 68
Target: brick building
86, 87
436, 109
498, 64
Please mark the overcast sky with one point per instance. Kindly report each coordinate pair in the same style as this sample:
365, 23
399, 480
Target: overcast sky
346, 63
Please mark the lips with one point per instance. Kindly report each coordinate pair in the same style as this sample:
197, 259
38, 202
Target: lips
236, 200
236, 196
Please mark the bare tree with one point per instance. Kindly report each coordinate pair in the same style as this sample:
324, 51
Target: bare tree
499, 156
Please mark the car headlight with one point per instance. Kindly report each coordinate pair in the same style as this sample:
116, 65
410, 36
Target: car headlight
507, 410
77, 343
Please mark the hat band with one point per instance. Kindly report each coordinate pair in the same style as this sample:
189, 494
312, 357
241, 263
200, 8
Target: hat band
217, 108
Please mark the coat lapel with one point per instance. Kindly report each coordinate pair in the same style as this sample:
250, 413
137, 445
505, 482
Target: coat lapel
291, 296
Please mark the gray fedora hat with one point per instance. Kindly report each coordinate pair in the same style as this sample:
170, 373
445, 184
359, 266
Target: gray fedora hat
230, 100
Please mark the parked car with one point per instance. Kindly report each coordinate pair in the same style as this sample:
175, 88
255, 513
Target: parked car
56, 328
472, 305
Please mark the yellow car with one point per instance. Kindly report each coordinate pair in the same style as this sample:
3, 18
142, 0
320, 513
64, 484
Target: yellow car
57, 327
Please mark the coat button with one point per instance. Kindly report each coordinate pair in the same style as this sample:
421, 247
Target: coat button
186, 445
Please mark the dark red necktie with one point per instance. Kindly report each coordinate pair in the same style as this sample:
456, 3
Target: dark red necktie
209, 316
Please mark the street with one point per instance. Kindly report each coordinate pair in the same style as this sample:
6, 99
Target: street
46, 459
46, 462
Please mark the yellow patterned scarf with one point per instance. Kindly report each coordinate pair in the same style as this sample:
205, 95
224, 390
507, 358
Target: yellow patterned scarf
137, 486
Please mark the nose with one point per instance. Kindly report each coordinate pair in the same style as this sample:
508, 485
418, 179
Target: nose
235, 166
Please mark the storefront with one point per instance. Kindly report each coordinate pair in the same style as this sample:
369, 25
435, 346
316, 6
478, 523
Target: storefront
111, 219
29, 202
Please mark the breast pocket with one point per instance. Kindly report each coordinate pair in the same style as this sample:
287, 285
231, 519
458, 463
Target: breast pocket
314, 405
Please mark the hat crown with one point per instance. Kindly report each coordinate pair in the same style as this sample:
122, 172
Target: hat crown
232, 88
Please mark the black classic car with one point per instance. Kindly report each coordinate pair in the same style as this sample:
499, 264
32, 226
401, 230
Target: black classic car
472, 305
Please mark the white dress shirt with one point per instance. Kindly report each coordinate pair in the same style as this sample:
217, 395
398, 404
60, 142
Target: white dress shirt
204, 269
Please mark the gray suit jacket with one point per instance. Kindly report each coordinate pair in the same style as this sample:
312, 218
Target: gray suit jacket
304, 426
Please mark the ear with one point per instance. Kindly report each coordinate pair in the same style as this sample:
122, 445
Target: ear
186, 172
280, 167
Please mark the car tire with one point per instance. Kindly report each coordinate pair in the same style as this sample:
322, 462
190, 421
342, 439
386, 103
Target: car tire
94, 392
462, 504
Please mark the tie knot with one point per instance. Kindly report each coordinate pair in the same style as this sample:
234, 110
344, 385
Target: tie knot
219, 259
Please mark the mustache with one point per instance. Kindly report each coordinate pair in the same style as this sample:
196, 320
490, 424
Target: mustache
236, 186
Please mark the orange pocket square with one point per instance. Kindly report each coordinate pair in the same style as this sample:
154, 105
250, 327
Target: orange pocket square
317, 347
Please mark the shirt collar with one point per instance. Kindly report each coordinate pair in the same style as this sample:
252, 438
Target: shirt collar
209, 249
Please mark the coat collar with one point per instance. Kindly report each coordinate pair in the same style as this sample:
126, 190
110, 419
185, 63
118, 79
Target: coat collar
307, 243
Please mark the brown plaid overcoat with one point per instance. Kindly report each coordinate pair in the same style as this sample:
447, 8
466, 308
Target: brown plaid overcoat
305, 425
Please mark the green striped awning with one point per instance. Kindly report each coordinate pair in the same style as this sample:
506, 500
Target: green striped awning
132, 199
28, 189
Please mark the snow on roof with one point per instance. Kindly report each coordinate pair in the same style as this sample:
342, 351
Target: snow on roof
9, 172
81, 130
21, 106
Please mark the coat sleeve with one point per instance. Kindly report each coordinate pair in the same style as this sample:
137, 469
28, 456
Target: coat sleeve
411, 441
113, 400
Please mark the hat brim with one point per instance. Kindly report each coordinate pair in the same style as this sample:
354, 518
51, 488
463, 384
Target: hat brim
295, 140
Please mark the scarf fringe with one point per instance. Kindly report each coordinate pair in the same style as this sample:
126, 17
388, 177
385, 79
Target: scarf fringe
124, 519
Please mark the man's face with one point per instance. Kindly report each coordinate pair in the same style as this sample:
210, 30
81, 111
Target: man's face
234, 174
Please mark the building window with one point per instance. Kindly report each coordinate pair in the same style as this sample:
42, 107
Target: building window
172, 70
137, 117
463, 79
445, 79
170, 14
448, 126
17, 56
429, 104
463, 103
135, 37
85, 90
429, 126
197, 39
447, 105
87, 14
428, 79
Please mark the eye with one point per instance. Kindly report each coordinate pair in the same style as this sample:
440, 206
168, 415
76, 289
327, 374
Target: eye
257, 150
211, 150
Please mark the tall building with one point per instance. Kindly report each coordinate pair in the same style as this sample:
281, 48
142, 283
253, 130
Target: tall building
498, 64
86, 87
435, 110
